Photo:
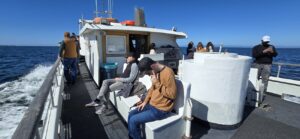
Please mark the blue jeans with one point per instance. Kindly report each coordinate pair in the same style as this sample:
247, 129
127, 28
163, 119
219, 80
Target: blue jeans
148, 114
70, 69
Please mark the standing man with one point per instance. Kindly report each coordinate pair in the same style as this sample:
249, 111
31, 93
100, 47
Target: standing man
76, 39
263, 54
68, 54
160, 97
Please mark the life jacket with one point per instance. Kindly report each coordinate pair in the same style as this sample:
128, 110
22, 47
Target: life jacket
70, 48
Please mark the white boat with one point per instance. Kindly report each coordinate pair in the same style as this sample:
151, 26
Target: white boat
109, 43
58, 111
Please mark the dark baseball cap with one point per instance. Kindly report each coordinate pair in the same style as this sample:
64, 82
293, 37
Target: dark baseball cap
132, 54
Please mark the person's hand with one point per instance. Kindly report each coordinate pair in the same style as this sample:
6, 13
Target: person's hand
271, 49
139, 103
268, 50
141, 106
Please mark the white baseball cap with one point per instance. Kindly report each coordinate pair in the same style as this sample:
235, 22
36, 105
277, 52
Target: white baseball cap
266, 38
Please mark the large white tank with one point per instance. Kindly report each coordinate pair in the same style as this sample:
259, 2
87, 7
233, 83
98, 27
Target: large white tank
219, 82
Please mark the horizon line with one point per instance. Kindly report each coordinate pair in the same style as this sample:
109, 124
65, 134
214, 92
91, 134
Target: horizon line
216, 45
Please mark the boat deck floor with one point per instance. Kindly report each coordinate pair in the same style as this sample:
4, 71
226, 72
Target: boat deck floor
82, 122
278, 119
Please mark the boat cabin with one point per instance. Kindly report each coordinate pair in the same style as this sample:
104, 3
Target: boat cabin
109, 43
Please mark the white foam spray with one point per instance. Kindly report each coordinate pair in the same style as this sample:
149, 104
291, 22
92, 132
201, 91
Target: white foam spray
15, 97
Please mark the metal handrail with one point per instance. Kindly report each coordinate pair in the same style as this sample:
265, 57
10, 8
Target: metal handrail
27, 128
286, 64
283, 64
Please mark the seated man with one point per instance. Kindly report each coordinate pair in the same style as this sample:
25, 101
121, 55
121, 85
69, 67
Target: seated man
159, 100
129, 75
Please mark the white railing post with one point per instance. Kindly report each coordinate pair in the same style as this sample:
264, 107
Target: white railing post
51, 95
278, 71
189, 106
37, 134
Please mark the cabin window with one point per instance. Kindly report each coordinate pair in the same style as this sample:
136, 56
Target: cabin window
115, 44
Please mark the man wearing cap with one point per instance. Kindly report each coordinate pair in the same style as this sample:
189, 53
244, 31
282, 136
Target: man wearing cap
160, 97
128, 76
68, 54
263, 54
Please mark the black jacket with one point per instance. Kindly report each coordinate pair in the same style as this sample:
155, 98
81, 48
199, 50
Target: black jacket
263, 58
127, 70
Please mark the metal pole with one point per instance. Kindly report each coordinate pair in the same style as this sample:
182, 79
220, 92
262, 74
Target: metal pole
56, 76
37, 134
278, 71
58, 70
110, 8
96, 8
51, 95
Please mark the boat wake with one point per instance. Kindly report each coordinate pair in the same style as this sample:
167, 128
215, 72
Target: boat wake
15, 97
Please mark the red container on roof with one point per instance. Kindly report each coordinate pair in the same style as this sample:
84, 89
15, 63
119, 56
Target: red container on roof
128, 23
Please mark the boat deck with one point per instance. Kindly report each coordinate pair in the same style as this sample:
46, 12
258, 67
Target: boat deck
82, 122
279, 119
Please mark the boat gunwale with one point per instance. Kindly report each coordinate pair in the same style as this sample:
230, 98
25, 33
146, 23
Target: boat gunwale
28, 127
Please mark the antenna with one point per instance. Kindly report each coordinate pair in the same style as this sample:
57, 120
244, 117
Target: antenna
220, 48
110, 5
82, 16
103, 11
81, 22
96, 12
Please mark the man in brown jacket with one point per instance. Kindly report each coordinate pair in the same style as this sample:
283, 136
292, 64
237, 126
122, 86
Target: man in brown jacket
68, 53
160, 97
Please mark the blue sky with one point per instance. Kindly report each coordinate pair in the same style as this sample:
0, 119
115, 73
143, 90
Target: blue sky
232, 22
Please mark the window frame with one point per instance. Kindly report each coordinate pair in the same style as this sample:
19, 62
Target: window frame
108, 39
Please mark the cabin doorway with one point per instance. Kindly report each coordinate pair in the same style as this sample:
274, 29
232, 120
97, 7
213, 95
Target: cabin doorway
138, 44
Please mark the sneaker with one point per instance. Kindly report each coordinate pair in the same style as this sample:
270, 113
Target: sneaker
101, 110
92, 104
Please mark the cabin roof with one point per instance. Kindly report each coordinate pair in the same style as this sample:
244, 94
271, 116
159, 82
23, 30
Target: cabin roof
118, 27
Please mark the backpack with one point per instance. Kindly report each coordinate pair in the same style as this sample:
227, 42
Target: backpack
139, 89
125, 91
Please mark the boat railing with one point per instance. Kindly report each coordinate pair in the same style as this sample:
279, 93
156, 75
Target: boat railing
279, 65
45, 106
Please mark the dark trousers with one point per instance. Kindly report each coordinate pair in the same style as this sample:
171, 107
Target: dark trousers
70, 69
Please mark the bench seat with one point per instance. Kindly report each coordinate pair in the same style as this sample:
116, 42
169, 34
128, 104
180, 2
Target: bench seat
174, 126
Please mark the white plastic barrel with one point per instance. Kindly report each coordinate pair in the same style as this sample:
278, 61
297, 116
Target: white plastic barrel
218, 85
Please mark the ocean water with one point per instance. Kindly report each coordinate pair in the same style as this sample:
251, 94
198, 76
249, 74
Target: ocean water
22, 72
285, 55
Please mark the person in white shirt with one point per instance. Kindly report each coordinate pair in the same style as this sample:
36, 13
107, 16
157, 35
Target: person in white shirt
152, 48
